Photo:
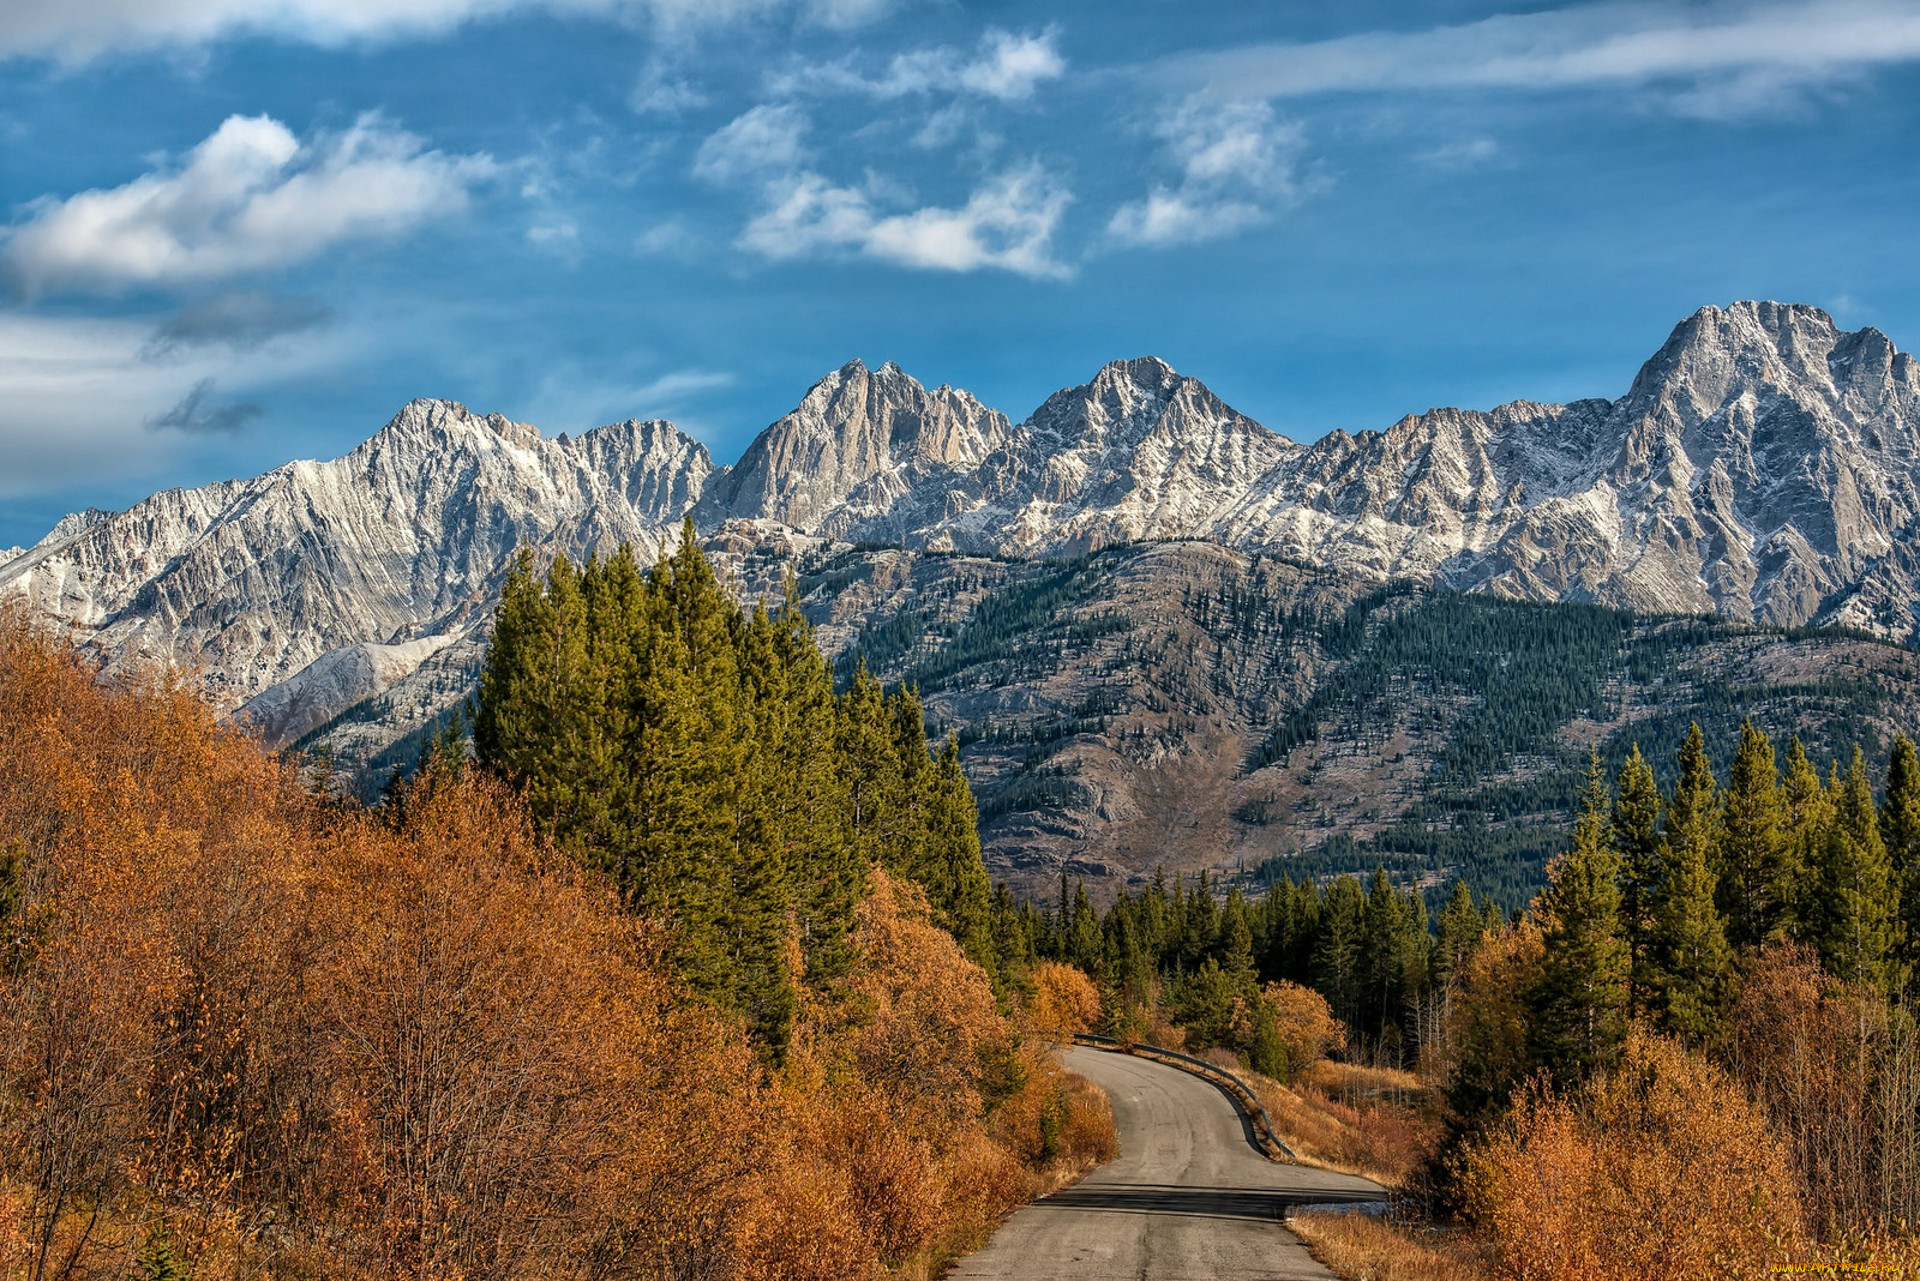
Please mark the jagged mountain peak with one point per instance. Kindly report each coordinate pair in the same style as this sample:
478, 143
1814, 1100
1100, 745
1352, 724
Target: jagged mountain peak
428, 418
857, 438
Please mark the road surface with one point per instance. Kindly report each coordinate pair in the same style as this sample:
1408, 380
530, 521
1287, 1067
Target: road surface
1187, 1199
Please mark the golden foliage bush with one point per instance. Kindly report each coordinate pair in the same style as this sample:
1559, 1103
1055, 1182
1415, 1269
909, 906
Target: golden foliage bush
1064, 1002
286, 1036
1660, 1170
1305, 1024
1838, 1075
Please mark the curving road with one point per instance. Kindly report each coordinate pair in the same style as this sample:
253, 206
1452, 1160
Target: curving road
1187, 1199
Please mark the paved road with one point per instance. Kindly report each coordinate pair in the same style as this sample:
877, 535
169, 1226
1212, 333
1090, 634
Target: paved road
1187, 1199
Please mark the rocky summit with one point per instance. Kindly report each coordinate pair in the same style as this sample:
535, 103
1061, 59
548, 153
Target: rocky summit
1763, 468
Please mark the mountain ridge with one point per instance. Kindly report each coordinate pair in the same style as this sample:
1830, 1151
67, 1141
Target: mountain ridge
1763, 466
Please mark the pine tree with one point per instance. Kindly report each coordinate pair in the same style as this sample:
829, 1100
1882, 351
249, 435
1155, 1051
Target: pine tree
1808, 810
1083, 940
1636, 838
1754, 856
1338, 958
1851, 908
1236, 948
954, 876
1579, 1003
688, 762
871, 770
1688, 956
1461, 928
1900, 829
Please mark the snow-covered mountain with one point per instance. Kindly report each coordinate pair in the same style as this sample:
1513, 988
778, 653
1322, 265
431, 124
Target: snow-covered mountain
1765, 465
255, 583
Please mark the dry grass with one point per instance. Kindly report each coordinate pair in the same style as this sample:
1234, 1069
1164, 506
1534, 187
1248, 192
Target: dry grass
1373, 1122
1366, 1247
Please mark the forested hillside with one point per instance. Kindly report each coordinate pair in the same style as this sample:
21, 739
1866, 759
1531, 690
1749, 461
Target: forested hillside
1184, 706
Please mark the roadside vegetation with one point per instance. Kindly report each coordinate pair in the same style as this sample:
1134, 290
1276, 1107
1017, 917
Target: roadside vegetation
1693, 1055
249, 1028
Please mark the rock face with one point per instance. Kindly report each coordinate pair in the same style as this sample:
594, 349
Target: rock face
858, 444
1764, 466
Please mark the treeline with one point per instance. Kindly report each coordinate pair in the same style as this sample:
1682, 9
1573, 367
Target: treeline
700, 757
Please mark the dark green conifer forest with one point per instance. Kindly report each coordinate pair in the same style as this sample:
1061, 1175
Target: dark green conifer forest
700, 756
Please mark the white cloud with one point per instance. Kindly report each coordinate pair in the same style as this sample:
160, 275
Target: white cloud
249, 198
574, 397
672, 389
767, 140
76, 30
672, 238
1003, 66
1731, 57
1463, 153
1007, 223
845, 15
1237, 163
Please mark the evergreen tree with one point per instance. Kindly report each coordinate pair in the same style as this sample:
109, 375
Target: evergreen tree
700, 757
1236, 948
1754, 856
1688, 957
956, 878
1900, 830
1851, 918
1579, 1003
1337, 959
1461, 928
1808, 812
1636, 838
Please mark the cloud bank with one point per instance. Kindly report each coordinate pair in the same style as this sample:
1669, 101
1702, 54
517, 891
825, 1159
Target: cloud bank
249, 198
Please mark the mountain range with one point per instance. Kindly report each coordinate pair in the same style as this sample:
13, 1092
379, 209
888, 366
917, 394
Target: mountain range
1763, 469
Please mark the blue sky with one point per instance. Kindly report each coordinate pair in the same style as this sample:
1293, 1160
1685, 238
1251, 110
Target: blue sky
234, 232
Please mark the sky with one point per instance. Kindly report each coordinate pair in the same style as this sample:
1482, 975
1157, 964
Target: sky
235, 232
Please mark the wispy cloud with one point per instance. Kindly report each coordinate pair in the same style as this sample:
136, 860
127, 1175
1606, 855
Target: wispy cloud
765, 140
1007, 223
1462, 153
1716, 57
77, 30
1004, 66
251, 197
77, 395
1237, 163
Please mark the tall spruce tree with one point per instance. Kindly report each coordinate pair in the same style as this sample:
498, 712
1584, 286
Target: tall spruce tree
1579, 1003
1636, 838
1900, 829
1851, 916
1688, 956
1755, 866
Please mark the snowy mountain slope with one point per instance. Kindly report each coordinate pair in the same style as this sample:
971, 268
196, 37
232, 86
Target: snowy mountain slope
405, 538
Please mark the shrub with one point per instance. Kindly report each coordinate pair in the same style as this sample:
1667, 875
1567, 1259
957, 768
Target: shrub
1660, 1170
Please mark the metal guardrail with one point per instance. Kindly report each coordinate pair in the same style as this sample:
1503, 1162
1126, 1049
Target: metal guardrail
1266, 1137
